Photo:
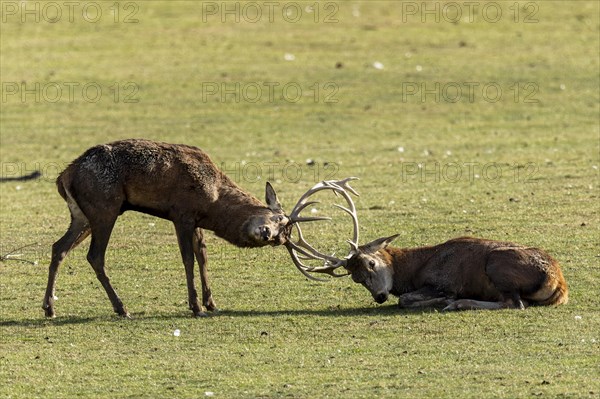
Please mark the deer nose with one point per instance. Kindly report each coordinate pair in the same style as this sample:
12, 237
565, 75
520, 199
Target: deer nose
265, 233
381, 297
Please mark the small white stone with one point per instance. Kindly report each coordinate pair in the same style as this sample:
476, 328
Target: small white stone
562, 86
209, 393
55, 297
419, 68
378, 65
400, 149
289, 57
314, 210
577, 317
177, 333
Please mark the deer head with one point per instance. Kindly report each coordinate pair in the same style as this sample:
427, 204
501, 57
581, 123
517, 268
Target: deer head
269, 226
372, 267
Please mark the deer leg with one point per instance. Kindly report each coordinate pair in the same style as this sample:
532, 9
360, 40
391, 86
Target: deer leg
78, 231
430, 303
509, 277
96, 258
200, 252
472, 304
185, 238
423, 298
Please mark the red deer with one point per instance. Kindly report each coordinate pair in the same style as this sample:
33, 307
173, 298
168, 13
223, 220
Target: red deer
175, 182
462, 273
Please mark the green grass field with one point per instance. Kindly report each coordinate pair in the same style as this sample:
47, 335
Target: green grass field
482, 125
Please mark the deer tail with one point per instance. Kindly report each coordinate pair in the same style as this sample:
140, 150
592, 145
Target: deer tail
558, 286
61, 182
560, 295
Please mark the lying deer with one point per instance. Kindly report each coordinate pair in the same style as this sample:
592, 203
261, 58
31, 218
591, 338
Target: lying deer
174, 182
463, 273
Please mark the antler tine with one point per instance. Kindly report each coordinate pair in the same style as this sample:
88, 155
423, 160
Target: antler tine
300, 266
305, 205
345, 184
310, 218
353, 245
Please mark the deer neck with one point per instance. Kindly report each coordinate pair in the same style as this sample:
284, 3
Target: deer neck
406, 263
230, 212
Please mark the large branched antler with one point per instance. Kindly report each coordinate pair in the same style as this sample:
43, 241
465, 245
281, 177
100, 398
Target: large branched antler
302, 250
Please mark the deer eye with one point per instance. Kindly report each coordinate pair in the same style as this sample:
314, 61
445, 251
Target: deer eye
371, 263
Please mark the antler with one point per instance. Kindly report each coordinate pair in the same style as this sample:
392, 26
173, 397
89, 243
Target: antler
307, 251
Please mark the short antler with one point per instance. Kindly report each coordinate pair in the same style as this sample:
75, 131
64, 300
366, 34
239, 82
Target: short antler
302, 250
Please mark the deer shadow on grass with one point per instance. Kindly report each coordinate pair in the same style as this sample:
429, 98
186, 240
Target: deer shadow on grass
44, 322
385, 310
379, 310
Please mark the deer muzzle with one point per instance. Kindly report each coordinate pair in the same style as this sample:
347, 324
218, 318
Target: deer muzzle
265, 233
380, 297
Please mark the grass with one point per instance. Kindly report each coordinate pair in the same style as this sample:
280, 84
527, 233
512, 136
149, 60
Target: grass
528, 173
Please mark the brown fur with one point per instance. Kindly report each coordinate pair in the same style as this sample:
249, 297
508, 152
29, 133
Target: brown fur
462, 273
176, 182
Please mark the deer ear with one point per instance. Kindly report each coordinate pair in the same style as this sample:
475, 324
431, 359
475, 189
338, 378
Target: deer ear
271, 198
378, 244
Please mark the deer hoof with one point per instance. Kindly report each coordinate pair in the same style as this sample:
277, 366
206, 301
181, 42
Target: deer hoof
212, 307
210, 304
452, 306
50, 313
200, 313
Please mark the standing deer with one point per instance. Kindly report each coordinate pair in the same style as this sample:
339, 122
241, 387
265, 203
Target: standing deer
463, 273
174, 182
